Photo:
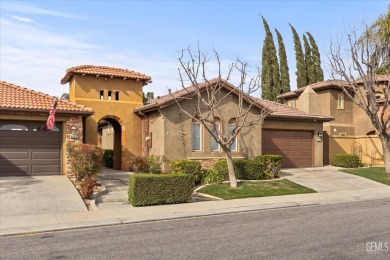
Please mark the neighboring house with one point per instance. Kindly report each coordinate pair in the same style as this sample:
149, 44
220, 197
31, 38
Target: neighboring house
286, 131
351, 131
105, 135
113, 93
25, 149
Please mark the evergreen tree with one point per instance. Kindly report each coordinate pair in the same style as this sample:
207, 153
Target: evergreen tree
284, 74
301, 66
310, 70
270, 82
316, 59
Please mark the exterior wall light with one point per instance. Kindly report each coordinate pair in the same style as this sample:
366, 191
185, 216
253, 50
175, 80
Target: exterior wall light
73, 133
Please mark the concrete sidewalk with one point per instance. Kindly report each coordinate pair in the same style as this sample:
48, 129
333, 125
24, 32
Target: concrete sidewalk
54, 221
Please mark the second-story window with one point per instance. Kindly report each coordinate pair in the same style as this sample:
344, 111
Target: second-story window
109, 95
101, 94
340, 101
116, 95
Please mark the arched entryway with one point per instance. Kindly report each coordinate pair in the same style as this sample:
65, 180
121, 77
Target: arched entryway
111, 127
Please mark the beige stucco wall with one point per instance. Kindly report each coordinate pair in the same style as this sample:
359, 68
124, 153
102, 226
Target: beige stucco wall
86, 90
371, 148
172, 133
304, 126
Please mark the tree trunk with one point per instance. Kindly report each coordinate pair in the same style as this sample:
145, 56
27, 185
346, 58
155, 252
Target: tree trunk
232, 175
386, 153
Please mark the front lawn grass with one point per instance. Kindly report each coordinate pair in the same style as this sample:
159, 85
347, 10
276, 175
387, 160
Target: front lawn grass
255, 189
373, 173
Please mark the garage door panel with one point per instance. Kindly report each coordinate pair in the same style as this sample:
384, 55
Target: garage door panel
13, 169
49, 155
45, 169
8, 142
14, 155
295, 146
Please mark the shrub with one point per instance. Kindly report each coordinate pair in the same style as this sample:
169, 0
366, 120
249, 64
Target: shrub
155, 163
108, 158
211, 176
346, 160
253, 171
139, 164
87, 186
147, 164
188, 167
85, 159
155, 189
238, 164
271, 165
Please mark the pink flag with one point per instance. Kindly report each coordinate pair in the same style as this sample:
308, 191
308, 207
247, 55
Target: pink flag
51, 119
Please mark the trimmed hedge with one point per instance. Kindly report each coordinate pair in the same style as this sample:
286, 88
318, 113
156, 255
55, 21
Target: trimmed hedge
271, 165
244, 169
346, 160
191, 167
156, 189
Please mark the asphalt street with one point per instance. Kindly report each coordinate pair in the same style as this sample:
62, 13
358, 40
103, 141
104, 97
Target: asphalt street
358, 230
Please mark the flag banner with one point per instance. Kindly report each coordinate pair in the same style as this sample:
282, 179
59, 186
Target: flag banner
51, 120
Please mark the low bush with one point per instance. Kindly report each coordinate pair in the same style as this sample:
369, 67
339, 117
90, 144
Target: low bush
87, 186
155, 189
108, 158
271, 165
253, 171
191, 167
211, 176
85, 159
238, 164
146, 164
139, 164
346, 160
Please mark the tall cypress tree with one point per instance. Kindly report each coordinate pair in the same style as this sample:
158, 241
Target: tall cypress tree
300, 58
270, 67
310, 70
283, 66
319, 74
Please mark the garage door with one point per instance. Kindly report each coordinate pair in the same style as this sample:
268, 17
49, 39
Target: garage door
27, 150
296, 147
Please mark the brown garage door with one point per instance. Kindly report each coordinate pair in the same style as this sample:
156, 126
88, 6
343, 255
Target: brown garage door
296, 147
27, 150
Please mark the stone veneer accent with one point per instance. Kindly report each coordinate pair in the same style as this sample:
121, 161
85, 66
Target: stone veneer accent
76, 121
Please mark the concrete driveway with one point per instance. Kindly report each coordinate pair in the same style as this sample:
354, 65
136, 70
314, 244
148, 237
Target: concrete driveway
38, 195
328, 179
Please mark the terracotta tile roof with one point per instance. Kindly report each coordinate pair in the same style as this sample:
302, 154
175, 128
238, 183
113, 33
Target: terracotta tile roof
283, 111
315, 86
17, 98
378, 78
275, 110
169, 99
104, 71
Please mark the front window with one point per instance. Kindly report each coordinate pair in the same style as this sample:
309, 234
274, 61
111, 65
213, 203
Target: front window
101, 94
340, 101
196, 136
231, 127
291, 103
214, 144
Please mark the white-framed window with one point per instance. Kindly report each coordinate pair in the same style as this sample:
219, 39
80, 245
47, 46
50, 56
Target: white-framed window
197, 136
214, 145
340, 101
231, 127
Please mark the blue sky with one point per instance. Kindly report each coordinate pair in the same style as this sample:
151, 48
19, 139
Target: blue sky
39, 40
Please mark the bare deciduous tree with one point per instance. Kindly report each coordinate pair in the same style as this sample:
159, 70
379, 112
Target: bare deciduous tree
359, 64
209, 98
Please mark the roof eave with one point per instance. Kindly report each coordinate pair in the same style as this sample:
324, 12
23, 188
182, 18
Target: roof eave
299, 118
46, 111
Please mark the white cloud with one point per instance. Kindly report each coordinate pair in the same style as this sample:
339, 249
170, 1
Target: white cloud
22, 8
21, 19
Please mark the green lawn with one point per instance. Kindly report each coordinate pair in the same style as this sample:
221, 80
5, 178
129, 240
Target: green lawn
255, 189
373, 173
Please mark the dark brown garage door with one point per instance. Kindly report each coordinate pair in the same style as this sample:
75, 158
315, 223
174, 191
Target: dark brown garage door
27, 150
296, 147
